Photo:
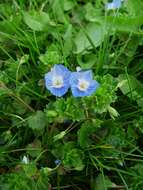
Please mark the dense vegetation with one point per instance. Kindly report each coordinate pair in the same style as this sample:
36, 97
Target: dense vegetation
93, 142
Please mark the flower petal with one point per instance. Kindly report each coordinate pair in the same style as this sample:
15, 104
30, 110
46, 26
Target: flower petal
58, 92
58, 70
115, 4
79, 76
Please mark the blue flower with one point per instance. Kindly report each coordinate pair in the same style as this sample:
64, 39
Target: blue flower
82, 83
57, 162
57, 80
115, 4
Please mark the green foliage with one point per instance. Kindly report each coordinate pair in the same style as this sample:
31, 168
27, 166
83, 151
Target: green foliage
108, 88
131, 87
136, 179
84, 143
91, 36
34, 149
65, 109
37, 21
116, 137
86, 132
50, 57
37, 121
103, 182
133, 7
73, 159
26, 177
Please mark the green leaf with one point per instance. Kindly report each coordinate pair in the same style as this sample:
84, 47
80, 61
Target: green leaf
131, 87
134, 7
92, 14
124, 24
34, 149
86, 131
51, 113
106, 93
113, 112
59, 136
69, 4
116, 137
37, 21
6, 9
69, 109
68, 44
4, 91
58, 150
138, 124
52, 56
86, 61
58, 10
103, 183
92, 35
73, 159
74, 109
37, 121
3, 78
137, 174
30, 169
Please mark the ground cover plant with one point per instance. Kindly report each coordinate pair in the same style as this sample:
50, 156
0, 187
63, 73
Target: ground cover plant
60, 132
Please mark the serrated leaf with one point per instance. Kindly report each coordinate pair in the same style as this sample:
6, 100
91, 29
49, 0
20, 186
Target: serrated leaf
50, 57
37, 121
73, 159
108, 88
30, 169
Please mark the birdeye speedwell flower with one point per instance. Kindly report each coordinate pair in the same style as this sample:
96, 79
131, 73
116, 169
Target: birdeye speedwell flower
57, 162
115, 4
82, 83
57, 80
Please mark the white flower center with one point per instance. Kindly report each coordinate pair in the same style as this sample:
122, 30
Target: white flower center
57, 81
83, 85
